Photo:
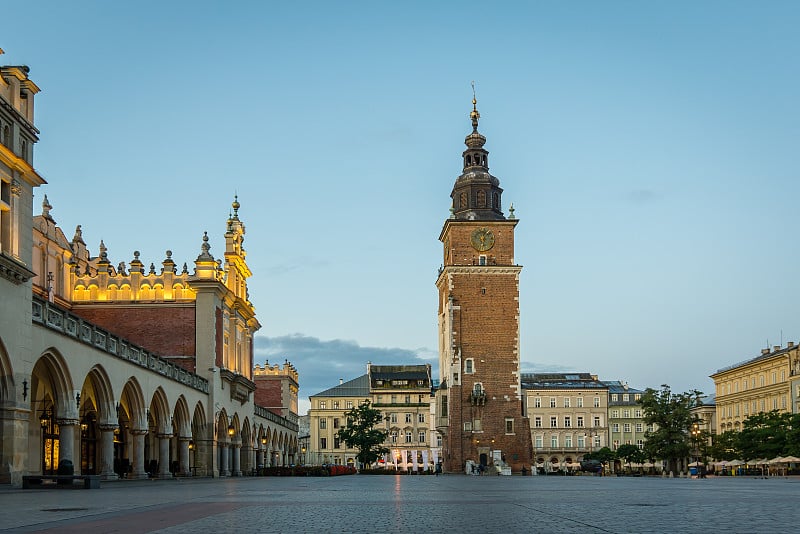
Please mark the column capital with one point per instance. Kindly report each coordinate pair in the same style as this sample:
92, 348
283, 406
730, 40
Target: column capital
164, 435
105, 427
67, 421
138, 432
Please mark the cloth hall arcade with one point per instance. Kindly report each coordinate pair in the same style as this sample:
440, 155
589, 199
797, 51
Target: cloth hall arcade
122, 369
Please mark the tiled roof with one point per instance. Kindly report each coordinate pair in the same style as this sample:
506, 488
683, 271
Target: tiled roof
780, 352
560, 381
615, 386
358, 387
400, 372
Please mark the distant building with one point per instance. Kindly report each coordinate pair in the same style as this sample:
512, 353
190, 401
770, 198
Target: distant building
568, 414
403, 395
760, 384
626, 424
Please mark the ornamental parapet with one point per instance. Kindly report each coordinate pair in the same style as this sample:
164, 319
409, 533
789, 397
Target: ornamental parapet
58, 319
286, 422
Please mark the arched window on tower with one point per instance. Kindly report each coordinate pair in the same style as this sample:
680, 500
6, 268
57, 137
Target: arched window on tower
496, 201
469, 160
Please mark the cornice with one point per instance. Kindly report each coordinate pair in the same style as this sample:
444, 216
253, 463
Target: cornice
13, 270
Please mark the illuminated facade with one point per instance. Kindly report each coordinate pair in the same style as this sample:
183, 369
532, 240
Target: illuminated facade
122, 369
760, 384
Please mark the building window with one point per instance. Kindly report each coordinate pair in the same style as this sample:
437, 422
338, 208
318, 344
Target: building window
614, 397
393, 417
408, 399
323, 443
637, 396
597, 441
408, 436
637, 413
783, 402
597, 402
323, 423
421, 436
615, 427
568, 440
614, 414
774, 403
552, 402
539, 443
322, 405
408, 418
468, 426
335, 422
615, 444
553, 421
537, 422
596, 421
774, 379
394, 436
335, 405
554, 440
349, 405
761, 381
626, 427
626, 397
580, 402
476, 424
421, 418
509, 426
537, 402
580, 421
640, 443
468, 366
567, 421
394, 399
566, 402
626, 413
336, 443
581, 442
482, 261
639, 427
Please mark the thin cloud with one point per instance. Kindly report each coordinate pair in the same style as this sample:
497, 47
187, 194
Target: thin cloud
643, 196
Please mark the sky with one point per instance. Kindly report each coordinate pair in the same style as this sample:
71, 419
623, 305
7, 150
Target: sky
649, 150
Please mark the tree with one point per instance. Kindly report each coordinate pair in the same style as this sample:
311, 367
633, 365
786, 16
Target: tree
603, 455
725, 446
767, 435
672, 419
630, 453
360, 433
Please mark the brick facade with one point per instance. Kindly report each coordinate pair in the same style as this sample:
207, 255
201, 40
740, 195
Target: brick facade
168, 331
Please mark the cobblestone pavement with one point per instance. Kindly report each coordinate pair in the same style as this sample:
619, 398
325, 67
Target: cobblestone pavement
408, 504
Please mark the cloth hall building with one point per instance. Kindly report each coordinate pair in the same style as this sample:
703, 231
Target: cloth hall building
123, 369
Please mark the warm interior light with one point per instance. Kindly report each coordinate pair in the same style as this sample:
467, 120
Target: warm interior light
191, 444
231, 430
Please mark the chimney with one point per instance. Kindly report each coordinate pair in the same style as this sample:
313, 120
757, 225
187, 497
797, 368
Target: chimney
776, 348
790, 344
764, 351
341, 381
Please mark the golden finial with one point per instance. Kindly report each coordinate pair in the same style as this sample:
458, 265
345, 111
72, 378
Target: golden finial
474, 115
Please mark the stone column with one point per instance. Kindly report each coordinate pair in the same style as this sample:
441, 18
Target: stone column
107, 452
223, 461
66, 442
236, 469
163, 455
247, 464
183, 454
260, 458
138, 454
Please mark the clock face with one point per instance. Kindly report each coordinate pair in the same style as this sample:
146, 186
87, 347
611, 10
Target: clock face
482, 239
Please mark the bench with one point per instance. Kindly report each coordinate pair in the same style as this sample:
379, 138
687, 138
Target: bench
60, 481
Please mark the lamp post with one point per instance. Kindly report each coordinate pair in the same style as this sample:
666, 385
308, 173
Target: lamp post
696, 436
303, 458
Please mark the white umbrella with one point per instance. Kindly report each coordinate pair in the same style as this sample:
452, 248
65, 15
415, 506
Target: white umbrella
735, 463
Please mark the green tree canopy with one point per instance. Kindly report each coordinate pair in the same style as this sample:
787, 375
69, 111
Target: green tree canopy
602, 455
769, 434
360, 433
631, 453
672, 419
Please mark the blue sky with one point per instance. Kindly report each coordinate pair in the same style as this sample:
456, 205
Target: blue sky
650, 152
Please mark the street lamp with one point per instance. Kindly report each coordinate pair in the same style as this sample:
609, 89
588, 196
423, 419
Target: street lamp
696, 436
303, 459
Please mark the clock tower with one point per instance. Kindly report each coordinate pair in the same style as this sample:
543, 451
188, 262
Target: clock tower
479, 402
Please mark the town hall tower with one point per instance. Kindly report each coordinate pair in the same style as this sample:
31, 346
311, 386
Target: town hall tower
479, 402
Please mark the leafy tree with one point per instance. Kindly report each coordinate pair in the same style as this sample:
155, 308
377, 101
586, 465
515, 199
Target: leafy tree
671, 417
602, 455
360, 433
767, 435
725, 446
631, 454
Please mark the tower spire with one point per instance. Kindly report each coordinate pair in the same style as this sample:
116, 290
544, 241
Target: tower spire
474, 115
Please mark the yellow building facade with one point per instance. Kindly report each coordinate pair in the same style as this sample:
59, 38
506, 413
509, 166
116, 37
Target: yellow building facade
761, 384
